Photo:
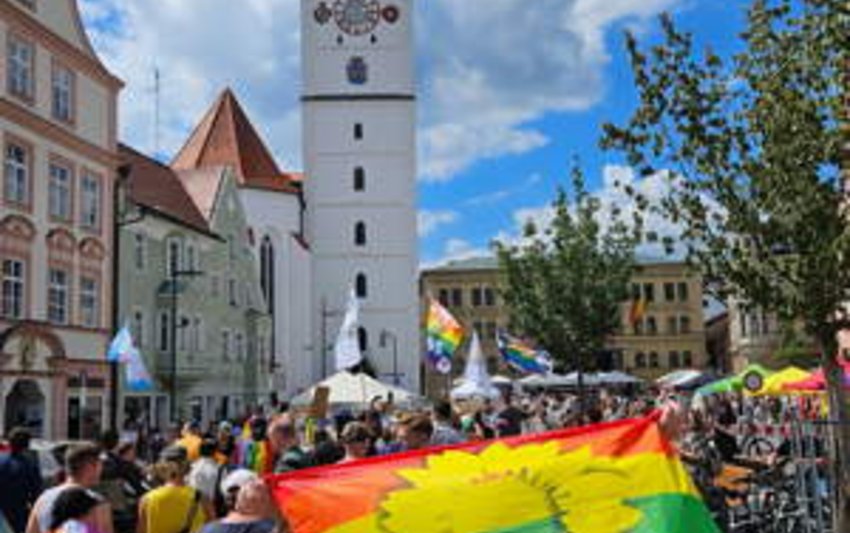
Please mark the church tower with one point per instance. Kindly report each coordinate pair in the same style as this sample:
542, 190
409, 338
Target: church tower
359, 141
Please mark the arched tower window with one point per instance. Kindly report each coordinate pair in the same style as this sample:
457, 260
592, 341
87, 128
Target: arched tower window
363, 339
361, 287
267, 266
360, 234
359, 179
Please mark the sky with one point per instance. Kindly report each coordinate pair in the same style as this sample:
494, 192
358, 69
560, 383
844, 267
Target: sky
509, 92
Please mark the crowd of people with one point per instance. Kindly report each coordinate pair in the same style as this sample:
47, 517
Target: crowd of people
213, 481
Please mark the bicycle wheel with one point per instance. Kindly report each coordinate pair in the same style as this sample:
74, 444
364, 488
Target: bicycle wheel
759, 447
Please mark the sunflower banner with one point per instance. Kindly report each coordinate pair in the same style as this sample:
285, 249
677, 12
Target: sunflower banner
620, 477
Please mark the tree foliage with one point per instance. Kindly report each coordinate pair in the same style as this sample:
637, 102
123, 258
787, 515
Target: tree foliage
756, 142
565, 283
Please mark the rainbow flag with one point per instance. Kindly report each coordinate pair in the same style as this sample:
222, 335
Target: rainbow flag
620, 477
443, 335
523, 357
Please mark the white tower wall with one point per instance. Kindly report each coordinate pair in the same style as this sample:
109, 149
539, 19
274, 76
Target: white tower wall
378, 102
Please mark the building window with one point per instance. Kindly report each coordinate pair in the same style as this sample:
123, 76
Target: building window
640, 360
360, 234
57, 296
443, 297
359, 179
477, 297
172, 260
13, 288
60, 191
490, 332
489, 297
684, 324
672, 325
674, 360
651, 326
478, 327
649, 292
457, 297
653, 360
182, 333
90, 202
682, 290
363, 339
16, 176
190, 257
267, 263
139, 251
669, 292
164, 332
636, 291
225, 344
233, 292
687, 359
215, 288
197, 339
358, 131
361, 286
239, 347
637, 327
21, 64
63, 93
89, 302
138, 330
765, 324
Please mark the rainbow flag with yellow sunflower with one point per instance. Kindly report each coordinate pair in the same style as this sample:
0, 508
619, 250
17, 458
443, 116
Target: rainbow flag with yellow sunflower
621, 477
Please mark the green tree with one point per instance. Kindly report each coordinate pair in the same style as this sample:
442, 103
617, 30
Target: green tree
754, 142
564, 284
794, 349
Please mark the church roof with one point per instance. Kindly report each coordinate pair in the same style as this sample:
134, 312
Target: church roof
157, 187
203, 186
226, 137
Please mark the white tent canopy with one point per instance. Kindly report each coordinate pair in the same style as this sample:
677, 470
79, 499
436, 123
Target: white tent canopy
476, 380
350, 389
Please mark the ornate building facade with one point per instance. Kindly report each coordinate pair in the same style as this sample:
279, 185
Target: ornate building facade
58, 126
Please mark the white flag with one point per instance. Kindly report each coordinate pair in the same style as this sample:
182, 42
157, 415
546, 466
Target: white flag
347, 347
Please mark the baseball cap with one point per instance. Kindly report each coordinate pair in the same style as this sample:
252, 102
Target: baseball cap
236, 479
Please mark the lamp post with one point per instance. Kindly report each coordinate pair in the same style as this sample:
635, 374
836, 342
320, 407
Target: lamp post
383, 343
175, 276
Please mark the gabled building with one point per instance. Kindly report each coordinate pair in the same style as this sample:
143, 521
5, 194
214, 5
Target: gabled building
274, 207
58, 129
191, 294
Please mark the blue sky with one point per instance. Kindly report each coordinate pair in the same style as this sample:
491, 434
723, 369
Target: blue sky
510, 90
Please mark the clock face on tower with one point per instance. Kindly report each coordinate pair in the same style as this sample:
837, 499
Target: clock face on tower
357, 17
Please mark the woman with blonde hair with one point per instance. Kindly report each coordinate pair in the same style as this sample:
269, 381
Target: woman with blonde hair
174, 507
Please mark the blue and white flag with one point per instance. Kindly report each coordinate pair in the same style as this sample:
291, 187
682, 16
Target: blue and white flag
123, 350
122, 347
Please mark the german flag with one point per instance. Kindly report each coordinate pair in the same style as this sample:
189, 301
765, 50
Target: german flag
621, 477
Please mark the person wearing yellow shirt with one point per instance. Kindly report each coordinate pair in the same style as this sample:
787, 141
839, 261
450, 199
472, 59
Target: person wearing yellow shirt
191, 441
173, 507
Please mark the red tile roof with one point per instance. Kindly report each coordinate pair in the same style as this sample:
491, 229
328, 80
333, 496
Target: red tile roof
226, 137
158, 187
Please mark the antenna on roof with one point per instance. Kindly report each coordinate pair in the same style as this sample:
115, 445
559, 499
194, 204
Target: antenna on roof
156, 96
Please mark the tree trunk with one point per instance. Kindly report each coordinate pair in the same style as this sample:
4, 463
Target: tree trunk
839, 432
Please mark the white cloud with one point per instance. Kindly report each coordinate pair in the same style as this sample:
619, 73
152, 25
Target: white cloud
495, 69
200, 47
430, 221
613, 197
494, 197
486, 69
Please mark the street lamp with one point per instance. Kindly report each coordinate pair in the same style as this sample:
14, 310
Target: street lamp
175, 276
382, 341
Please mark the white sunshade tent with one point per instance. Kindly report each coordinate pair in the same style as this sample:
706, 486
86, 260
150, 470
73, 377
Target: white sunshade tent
356, 389
476, 380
